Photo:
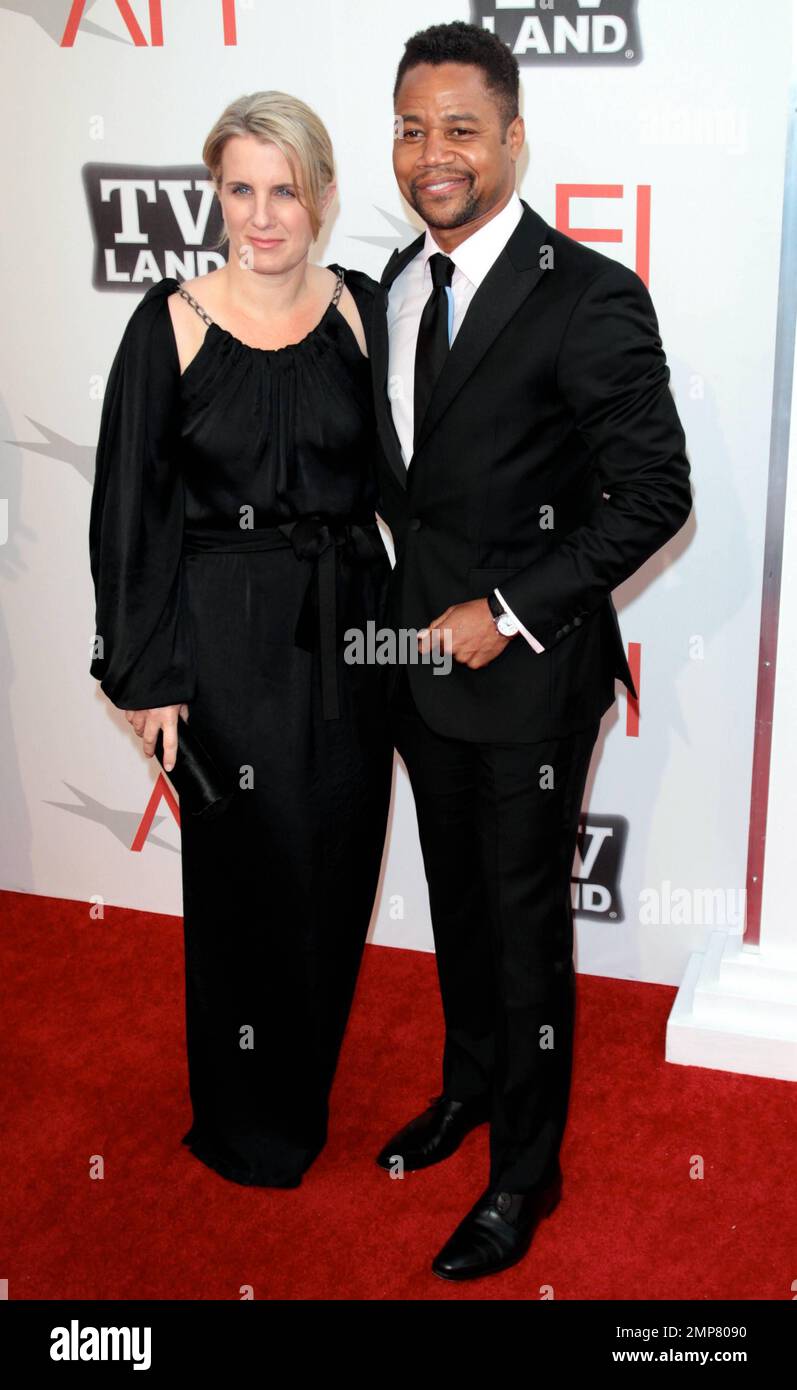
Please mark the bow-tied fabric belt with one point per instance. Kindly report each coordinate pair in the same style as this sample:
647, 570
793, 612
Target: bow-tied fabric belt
315, 538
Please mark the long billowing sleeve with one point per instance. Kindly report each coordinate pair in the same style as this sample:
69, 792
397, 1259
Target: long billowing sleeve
144, 655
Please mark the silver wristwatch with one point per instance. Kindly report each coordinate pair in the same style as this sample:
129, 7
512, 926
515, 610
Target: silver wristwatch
504, 622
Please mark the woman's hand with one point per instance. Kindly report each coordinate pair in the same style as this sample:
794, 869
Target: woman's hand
147, 722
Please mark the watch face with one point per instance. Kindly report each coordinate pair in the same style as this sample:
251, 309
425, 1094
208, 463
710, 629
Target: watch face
506, 625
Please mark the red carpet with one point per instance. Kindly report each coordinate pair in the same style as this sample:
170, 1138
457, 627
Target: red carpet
94, 1065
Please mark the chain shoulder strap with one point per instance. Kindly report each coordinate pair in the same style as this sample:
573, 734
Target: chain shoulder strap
339, 286
203, 314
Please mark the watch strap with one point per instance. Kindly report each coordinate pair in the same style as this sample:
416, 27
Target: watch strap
496, 606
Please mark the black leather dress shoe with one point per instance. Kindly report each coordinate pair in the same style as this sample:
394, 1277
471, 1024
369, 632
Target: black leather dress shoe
434, 1135
497, 1231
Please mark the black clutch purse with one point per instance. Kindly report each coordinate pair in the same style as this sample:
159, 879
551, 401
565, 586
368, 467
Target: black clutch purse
195, 777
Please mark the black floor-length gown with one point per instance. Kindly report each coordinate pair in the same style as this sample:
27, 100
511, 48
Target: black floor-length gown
233, 543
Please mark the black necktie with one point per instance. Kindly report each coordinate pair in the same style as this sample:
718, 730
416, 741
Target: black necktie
432, 346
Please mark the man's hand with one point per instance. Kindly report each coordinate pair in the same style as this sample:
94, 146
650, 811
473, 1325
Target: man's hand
147, 722
474, 639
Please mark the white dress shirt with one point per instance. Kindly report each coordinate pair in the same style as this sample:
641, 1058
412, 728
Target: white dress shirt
407, 296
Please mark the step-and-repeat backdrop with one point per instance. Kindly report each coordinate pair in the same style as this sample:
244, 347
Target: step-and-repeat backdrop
656, 132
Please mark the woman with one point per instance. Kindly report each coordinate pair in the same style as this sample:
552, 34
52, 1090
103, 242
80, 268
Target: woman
233, 542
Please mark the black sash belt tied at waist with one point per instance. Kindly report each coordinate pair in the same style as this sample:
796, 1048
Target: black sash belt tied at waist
316, 538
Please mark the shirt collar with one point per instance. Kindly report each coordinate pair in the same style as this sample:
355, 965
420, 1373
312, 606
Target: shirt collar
476, 254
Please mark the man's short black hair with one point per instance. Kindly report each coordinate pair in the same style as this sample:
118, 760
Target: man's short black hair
467, 43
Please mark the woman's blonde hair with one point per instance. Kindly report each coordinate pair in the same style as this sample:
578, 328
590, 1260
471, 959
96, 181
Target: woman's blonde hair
294, 128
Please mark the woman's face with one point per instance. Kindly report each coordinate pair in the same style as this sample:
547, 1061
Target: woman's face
268, 227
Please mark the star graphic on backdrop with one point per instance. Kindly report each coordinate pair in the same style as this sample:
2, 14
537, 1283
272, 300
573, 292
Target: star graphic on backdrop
122, 824
45, 14
406, 234
80, 456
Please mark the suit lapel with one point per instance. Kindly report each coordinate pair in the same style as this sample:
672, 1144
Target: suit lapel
509, 281
511, 278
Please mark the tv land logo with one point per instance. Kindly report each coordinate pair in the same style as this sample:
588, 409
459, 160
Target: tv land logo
563, 31
149, 221
597, 868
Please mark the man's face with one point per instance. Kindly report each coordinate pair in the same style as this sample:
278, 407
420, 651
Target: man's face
448, 156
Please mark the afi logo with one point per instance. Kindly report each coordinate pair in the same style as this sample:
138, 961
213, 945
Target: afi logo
155, 11
565, 192
151, 221
563, 31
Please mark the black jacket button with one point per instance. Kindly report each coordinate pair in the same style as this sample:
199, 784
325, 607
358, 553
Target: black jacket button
415, 523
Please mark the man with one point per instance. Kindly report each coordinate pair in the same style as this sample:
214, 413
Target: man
519, 377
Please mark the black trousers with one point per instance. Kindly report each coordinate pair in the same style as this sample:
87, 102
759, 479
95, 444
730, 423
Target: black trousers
498, 825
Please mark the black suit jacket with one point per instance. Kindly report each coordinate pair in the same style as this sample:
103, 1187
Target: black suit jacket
554, 392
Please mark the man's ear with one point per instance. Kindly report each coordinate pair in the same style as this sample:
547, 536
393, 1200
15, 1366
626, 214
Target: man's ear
517, 137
